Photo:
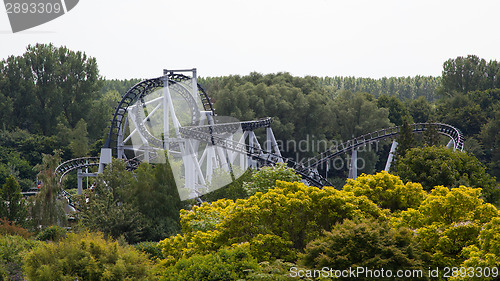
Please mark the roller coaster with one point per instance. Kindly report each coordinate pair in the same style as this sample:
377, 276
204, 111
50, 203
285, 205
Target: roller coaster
172, 117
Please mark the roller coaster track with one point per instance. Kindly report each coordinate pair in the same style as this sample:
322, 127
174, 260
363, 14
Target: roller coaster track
444, 129
214, 134
142, 89
78, 163
309, 170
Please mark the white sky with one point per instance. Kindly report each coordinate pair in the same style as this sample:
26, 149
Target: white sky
362, 38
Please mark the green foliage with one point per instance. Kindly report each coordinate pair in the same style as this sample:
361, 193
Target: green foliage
465, 74
277, 270
140, 207
47, 83
46, 207
463, 112
107, 211
52, 233
490, 138
397, 110
406, 140
12, 205
276, 224
365, 243
230, 264
447, 222
433, 166
151, 249
233, 191
486, 254
86, 256
266, 177
387, 191
420, 109
12, 249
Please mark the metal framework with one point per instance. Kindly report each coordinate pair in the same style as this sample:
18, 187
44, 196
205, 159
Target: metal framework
204, 142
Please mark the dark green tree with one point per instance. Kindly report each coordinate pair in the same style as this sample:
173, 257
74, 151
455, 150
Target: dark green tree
433, 166
47, 207
364, 243
406, 140
154, 194
465, 74
420, 109
490, 138
107, 210
431, 135
397, 109
47, 83
12, 205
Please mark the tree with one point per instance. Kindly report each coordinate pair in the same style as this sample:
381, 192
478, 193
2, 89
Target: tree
48, 83
231, 264
465, 74
47, 209
276, 224
405, 140
140, 206
419, 109
490, 138
86, 256
433, 166
12, 205
397, 110
107, 211
154, 194
431, 135
462, 112
447, 222
387, 191
364, 243
266, 177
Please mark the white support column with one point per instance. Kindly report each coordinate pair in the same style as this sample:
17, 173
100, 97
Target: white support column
391, 155
451, 144
353, 170
104, 159
80, 182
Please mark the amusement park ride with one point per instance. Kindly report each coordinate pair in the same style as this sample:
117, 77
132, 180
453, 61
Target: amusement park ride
171, 118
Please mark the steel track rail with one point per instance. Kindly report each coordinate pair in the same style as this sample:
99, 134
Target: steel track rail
444, 129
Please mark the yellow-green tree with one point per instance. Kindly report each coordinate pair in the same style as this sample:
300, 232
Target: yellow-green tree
447, 222
387, 191
276, 224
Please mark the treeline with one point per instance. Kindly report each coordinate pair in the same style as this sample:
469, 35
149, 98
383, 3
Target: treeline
54, 98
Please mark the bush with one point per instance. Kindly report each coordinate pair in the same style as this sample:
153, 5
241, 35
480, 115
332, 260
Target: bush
364, 243
232, 264
86, 256
387, 191
10, 228
11, 250
151, 249
52, 233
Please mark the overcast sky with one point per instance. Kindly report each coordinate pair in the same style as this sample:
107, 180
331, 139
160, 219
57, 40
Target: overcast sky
362, 38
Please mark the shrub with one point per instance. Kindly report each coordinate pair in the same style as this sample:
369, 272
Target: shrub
151, 249
225, 264
52, 233
387, 191
10, 228
364, 243
86, 256
11, 250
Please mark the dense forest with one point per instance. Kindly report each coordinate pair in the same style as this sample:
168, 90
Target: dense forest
435, 208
